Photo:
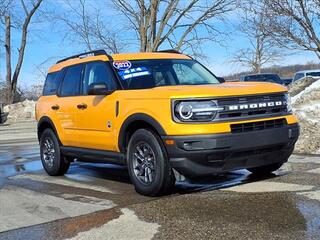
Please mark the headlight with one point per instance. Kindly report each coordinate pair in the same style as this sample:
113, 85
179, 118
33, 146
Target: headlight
288, 102
201, 111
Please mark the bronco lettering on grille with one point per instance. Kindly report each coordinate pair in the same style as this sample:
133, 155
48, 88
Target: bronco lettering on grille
256, 105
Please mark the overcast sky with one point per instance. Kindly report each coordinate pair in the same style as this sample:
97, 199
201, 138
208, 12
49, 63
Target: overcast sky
47, 44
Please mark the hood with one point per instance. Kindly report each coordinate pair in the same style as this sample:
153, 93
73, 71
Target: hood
212, 90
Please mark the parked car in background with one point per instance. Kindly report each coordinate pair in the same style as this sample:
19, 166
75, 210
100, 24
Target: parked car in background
3, 115
264, 77
306, 73
287, 81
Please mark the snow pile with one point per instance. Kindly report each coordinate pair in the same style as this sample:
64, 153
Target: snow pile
21, 111
298, 86
306, 106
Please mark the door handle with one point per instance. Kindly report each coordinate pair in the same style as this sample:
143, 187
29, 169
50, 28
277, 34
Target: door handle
82, 106
55, 107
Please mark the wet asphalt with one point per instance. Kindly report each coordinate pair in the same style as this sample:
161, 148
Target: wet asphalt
97, 201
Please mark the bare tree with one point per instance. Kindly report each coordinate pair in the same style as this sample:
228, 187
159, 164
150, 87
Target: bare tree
12, 80
177, 23
261, 49
84, 22
293, 24
4, 5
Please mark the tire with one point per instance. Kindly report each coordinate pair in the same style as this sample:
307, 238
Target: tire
52, 160
148, 164
265, 170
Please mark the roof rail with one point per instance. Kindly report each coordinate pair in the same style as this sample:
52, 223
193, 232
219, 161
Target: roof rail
170, 51
95, 53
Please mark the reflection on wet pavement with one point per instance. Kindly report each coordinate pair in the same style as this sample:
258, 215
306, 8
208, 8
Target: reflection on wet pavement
19, 160
284, 205
311, 213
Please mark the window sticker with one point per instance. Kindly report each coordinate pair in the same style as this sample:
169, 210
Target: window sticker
134, 72
122, 65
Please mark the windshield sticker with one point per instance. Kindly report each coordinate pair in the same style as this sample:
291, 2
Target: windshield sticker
122, 65
134, 72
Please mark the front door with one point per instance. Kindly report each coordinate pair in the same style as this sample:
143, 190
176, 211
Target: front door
96, 115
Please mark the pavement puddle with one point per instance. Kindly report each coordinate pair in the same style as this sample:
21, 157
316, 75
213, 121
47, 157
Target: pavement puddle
311, 213
64, 181
22, 208
127, 227
88, 199
265, 186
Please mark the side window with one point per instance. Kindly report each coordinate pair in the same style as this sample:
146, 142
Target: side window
159, 79
51, 84
97, 72
71, 82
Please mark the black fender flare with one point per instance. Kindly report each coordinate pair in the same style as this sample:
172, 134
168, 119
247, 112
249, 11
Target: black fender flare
138, 117
46, 120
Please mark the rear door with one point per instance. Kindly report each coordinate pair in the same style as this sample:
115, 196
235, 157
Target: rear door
68, 97
95, 121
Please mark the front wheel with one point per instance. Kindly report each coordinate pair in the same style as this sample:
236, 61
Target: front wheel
52, 160
148, 165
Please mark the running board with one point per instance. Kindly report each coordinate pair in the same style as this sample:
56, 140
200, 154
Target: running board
93, 155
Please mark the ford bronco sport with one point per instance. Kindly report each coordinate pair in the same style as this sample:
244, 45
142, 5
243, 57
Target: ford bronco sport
163, 115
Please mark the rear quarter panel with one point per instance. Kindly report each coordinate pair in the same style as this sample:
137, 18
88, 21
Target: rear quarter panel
43, 109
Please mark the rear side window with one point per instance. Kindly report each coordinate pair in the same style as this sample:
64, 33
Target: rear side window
71, 81
313, 74
51, 84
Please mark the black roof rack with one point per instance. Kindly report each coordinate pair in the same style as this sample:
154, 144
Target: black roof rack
169, 51
173, 51
95, 53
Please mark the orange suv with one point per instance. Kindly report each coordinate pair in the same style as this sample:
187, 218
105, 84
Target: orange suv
163, 115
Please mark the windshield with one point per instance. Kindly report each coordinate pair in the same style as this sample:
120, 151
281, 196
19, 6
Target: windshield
142, 74
263, 78
313, 74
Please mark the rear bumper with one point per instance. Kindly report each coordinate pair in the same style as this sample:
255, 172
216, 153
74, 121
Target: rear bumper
197, 155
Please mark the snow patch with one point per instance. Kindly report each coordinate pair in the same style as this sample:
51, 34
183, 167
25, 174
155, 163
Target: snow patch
21, 111
306, 106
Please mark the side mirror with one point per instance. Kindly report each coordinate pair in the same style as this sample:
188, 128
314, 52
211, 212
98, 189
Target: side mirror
99, 89
221, 79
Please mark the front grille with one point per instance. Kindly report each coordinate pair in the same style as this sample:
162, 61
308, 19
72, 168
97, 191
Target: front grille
256, 126
244, 110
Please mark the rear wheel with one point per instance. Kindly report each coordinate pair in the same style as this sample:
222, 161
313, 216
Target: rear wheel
265, 170
52, 160
148, 165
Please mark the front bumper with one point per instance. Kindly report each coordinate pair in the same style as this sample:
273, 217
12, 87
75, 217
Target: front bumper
197, 155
